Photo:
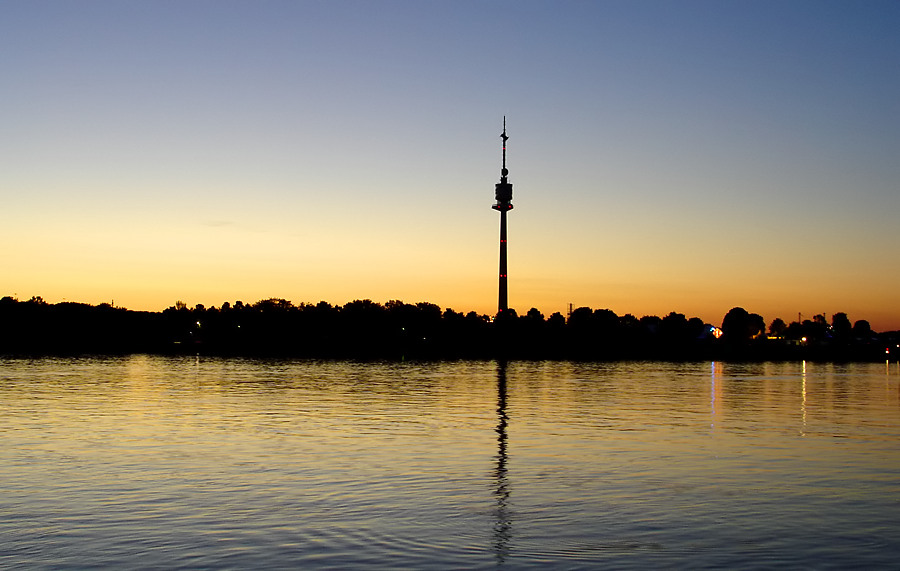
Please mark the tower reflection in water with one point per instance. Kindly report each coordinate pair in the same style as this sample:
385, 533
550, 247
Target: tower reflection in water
503, 525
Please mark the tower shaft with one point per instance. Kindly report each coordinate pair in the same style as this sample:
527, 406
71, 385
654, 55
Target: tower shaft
503, 298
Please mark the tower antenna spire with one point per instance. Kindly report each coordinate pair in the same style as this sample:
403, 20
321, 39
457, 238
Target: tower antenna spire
504, 136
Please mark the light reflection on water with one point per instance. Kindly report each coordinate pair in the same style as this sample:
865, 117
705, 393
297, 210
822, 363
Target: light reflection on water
163, 462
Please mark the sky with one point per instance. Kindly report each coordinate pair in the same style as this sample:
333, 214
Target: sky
687, 156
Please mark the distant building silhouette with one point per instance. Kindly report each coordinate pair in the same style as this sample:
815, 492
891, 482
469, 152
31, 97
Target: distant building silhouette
503, 194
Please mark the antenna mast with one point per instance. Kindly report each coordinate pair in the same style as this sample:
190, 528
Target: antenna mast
504, 136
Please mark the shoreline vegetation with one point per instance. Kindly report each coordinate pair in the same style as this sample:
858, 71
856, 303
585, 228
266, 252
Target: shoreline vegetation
363, 329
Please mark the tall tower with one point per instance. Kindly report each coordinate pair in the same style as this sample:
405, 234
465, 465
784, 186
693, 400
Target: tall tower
503, 194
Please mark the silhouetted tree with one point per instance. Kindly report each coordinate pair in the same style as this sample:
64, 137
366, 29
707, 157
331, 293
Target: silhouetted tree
506, 316
363, 328
757, 325
556, 321
628, 321
697, 329
451, 315
841, 327
580, 317
650, 324
593, 333
739, 326
862, 330
607, 323
815, 330
431, 313
778, 327
273, 304
534, 315
475, 318
673, 328
794, 331
632, 334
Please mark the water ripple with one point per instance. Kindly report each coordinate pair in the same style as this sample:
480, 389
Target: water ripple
149, 462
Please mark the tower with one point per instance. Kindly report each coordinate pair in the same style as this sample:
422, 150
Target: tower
503, 194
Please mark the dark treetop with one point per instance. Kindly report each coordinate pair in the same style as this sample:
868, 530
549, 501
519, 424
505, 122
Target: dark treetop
364, 329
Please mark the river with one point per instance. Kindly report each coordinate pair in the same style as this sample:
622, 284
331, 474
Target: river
159, 462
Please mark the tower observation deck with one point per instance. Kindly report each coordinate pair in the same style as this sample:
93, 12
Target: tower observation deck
503, 194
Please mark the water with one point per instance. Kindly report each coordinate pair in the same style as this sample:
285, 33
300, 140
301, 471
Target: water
151, 462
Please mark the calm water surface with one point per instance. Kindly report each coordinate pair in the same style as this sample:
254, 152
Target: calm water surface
149, 462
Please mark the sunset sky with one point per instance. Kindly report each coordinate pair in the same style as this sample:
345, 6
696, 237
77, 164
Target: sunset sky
685, 156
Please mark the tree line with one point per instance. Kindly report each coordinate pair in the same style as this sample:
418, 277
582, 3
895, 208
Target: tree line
394, 330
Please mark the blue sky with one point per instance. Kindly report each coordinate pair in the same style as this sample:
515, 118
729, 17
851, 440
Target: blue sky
665, 156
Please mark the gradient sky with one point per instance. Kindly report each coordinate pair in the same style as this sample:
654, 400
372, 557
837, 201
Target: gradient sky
666, 156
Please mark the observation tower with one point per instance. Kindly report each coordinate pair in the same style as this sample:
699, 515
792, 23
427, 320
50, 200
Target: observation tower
503, 194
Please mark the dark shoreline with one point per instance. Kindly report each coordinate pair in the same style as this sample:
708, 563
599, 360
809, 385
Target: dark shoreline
364, 330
